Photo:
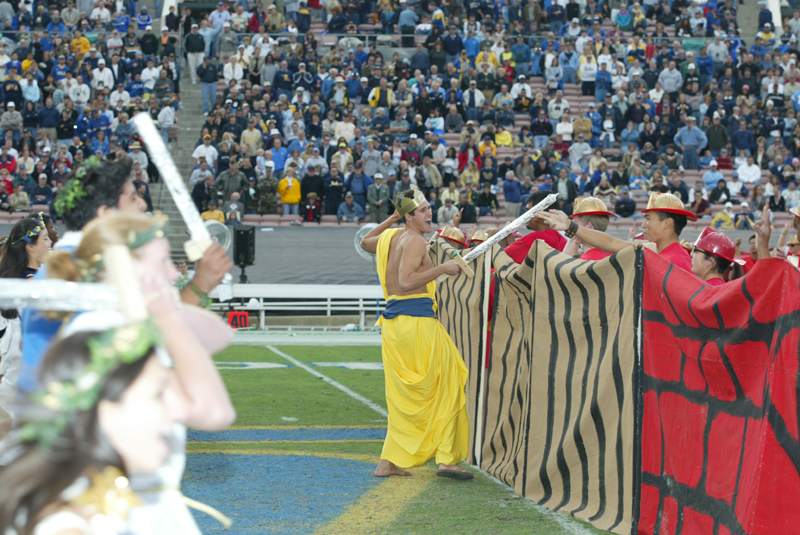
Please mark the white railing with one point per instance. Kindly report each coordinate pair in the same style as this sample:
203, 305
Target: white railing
305, 298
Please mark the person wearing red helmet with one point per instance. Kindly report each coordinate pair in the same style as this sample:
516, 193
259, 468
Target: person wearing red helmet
665, 218
712, 255
590, 213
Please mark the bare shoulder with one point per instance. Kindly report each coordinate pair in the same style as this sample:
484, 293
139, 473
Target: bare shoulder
411, 242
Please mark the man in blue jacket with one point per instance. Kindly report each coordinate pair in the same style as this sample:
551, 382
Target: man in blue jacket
48, 118
453, 45
513, 194
357, 184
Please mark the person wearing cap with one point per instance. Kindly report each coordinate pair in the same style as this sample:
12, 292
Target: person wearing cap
590, 213
664, 219
121, 20
358, 183
213, 213
144, 19
227, 41
273, 20
378, 199
712, 177
12, 120
350, 211
712, 254
208, 75
219, 16
195, 46
691, 140
102, 78
42, 193
206, 151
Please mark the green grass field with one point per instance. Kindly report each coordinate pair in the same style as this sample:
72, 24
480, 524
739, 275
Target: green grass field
293, 397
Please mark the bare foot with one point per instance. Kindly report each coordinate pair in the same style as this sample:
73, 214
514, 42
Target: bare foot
388, 469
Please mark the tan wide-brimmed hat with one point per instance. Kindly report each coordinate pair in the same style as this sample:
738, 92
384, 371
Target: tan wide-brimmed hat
667, 202
591, 206
478, 238
453, 234
795, 211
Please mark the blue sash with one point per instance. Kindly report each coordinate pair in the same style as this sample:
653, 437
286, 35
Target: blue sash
418, 307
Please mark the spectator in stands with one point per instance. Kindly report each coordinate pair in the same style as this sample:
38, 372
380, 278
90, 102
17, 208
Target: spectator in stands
625, 205
350, 211
212, 213
447, 212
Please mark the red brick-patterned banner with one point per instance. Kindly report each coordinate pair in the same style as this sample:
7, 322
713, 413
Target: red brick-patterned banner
720, 445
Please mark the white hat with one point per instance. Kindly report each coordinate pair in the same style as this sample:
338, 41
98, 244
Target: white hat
226, 24
713, 163
378, 175
101, 62
148, 28
691, 66
274, 132
299, 89
364, 79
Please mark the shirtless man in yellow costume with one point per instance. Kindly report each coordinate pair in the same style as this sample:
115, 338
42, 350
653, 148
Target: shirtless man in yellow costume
425, 374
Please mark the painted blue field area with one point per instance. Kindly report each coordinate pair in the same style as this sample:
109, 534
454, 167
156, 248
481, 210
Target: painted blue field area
271, 435
289, 494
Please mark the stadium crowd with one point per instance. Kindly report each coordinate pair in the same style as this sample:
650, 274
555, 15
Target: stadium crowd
495, 101
73, 77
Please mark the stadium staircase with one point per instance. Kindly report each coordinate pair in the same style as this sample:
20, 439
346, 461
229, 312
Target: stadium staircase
191, 120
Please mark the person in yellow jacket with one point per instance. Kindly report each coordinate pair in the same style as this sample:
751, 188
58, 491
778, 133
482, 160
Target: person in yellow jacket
486, 56
289, 190
79, 44
424, 372
213, 214
382, 96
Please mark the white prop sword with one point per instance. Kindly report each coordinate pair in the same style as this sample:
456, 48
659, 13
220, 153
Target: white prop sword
56, 295
519, 222
201, 239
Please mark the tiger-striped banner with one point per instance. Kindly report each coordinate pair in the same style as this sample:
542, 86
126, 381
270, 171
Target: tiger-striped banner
560, 413
461, 300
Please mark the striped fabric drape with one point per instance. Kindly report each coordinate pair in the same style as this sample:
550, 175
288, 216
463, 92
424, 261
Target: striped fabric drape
560, 419
461, 301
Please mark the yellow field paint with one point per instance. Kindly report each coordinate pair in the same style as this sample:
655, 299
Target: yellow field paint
380, 506
373, 459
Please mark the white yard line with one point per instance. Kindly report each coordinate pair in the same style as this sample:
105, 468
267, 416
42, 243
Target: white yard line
377, 408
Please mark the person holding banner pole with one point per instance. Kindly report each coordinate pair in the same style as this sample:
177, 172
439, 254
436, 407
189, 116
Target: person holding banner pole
425, 373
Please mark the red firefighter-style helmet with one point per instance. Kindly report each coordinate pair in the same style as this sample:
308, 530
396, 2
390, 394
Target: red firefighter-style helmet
714, 242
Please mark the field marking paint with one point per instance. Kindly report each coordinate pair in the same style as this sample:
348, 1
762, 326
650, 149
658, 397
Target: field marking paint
370, 366
350, 365
377, 408
570, 525
250, 365
372, 459
381, 505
